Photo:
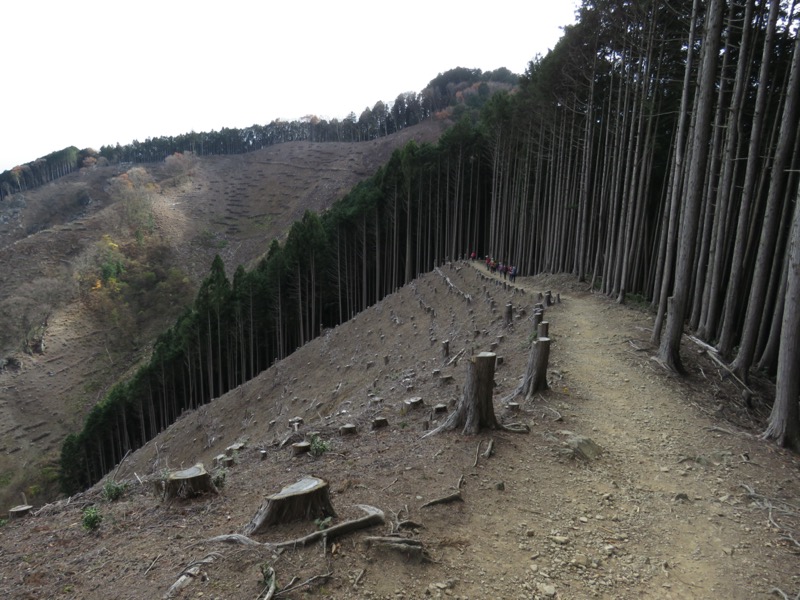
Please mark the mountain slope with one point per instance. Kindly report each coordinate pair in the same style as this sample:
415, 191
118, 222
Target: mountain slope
677, 506
161, 224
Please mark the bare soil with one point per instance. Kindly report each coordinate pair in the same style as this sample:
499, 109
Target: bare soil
684, 501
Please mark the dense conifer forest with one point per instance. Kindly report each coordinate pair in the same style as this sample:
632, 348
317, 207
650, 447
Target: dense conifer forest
654, 154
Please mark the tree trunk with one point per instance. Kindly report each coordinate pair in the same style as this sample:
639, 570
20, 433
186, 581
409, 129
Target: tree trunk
730, 324
676, 185
769, 234
669, 350
784, 420
475, 410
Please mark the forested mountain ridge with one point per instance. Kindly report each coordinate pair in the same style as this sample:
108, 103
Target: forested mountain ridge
648, 154
453, 93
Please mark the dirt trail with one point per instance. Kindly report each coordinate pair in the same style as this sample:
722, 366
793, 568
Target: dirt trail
674, 479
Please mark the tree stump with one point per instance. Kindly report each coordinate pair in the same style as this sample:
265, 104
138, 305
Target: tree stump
306, 499
543, 329
508, 316
536, 372
412, 403
19, 511
379, 423
538, 317
475, 410
347, 429
188, 483
446, 349
300, 448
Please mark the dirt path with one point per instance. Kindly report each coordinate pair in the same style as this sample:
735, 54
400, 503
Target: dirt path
675, 498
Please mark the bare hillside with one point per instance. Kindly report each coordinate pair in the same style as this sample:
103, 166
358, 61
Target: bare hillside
683, 501
65, 339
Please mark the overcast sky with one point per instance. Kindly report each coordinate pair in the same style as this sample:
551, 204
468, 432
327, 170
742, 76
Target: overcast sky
93, 73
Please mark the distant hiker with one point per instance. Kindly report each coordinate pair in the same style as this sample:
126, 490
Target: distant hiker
472, 256
512, 274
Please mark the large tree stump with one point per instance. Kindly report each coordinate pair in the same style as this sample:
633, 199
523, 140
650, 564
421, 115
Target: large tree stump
306, 499
536, 373
475, 410
188, 483
19, 511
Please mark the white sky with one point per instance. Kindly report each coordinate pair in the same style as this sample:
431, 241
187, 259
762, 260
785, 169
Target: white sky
94, 73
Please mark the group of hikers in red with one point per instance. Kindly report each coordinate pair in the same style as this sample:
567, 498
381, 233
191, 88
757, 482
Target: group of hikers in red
507, 271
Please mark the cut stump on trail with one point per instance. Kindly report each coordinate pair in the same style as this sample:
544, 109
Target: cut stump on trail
536, 372
475, 410
188, 483
306, 499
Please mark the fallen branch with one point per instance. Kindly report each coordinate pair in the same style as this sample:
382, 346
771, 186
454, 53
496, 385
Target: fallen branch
515, 428
231, 538
409, 547
456, 497
153, 563
707, 347
728, 431
305, 583
358, 577
456, 357
390, 485
722, 364
191, 571
489, 449
477, 450
269, 591
555, 412
782, 594
120, 465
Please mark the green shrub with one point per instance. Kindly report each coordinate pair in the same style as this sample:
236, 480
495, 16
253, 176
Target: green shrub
91, 518
113, 490
319, 446
323, 523
218, 478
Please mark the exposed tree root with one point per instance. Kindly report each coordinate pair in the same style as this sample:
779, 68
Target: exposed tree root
374, 516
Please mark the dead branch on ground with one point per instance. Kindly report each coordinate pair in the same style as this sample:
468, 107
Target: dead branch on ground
456, 497
410, 548
189, 573
309, 581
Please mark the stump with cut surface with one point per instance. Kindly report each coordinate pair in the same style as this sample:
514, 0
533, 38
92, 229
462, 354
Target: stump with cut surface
188, 483
19, 511
306, 499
